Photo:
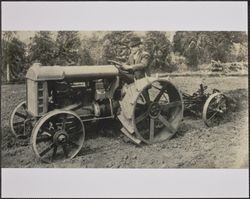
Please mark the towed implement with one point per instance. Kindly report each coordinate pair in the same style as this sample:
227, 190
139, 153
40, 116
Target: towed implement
211, 107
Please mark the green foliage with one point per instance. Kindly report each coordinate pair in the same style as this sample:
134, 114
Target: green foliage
159, 47
202, 47
43, 49
185, 43
238, 52
116, 46
93, 45
68, 45
156, 40
243, 52
194, 49
175, 62
85, 58
7, 36
13, 54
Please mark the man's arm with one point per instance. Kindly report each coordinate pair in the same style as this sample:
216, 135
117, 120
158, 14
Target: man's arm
143, 64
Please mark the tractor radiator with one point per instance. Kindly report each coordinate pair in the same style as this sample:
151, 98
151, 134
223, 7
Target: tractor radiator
37, 97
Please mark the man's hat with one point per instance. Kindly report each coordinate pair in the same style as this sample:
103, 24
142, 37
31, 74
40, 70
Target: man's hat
135, 41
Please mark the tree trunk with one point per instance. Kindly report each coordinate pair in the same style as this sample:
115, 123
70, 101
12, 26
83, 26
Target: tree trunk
8, 73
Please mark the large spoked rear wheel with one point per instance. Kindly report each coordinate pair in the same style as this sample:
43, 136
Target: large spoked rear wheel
20, 123
214, 109
57, 136
158, 111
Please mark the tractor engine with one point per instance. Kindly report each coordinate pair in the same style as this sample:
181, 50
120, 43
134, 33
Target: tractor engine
87, 90
91, 97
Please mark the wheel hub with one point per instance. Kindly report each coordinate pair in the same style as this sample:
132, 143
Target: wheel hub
60, 137
154, 110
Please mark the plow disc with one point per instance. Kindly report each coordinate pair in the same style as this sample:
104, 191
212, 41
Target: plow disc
151, 110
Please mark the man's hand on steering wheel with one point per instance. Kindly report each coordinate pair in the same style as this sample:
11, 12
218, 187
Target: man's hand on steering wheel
121, 66
126, 67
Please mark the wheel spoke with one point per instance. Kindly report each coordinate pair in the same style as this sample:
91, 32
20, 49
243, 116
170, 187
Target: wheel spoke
22, 136
213, 109
170, 105
43, 139
146, 96
220, 103
18, 123
54, 152
140, 106
216, 104
46, 150
167, 124
141, 117
210, 118
71, 126
21, 115
76, 132
152, 129
158, 97
65, 151
50, 131
64, 122
73, 144
156, 87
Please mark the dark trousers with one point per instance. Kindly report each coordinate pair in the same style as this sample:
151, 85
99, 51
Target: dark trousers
126, 77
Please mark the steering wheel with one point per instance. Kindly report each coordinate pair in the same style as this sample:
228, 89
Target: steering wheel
118, 65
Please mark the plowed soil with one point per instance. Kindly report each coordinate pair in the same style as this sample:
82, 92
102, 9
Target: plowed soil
193, 146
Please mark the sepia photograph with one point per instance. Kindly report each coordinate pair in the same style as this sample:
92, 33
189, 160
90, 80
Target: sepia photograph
131, 99
124, 99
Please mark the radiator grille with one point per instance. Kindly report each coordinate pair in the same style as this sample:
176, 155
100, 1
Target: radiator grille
32, 97
37, 97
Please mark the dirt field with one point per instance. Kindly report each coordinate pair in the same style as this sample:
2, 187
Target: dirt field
194, 145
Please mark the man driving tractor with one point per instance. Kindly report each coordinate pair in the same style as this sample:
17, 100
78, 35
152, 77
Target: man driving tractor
138, 63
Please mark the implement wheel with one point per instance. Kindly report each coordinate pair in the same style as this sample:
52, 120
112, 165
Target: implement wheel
214, 109
58, 135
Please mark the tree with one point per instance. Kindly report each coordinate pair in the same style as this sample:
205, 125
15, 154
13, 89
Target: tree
85, 57
159, 47
203, 46
192, 55
7, 36
13, 54
43, 49
68, 45
187, 44
94, 45
182, 39
116, 46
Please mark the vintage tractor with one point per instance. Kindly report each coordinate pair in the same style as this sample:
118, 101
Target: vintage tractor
62, 100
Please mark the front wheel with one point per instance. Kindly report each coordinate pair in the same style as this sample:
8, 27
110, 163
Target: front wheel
20, 123
57, 136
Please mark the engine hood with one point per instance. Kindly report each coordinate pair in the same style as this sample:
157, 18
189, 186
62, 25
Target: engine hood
38, 72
